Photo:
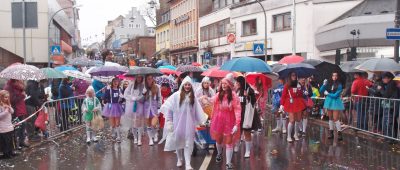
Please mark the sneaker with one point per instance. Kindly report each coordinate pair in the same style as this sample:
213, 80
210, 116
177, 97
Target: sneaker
276, 130
179, 163
88, 140
296, 137
340, 136
151, 143
229, 166
135, 141
284, 131
289, 139
218, 158
330, 135
94, 139
247, 155
188, 167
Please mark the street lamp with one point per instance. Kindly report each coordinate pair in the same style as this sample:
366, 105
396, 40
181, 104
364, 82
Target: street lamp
266, 29
48, 29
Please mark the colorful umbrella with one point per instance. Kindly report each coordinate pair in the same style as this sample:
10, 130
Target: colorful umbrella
52, 73
168, 80
108, 63
108, 71
215, 72
63, 68
291, 59
301, 69
246, 64
144, 71
379, 65
196, 64
167, 71
167, 67
22, 72
188, 68
77, 74
251, 79
123, 77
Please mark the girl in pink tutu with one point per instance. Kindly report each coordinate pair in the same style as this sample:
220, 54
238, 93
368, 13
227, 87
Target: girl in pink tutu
225, 121
113, 108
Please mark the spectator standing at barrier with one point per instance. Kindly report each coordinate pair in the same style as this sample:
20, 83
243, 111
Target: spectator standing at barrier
98, 87
293, 103
32, 105
375, 106
17, 97
6, 126
307, 93
359, 87
276, 102
79, 86
67, 105
113, 109
390, 108
332, 90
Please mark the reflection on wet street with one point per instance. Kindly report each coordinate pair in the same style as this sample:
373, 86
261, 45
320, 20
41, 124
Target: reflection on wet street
270, 151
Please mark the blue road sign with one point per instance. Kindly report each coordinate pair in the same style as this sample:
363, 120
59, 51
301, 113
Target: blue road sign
55, 49
258, 48
393, 33
207, 55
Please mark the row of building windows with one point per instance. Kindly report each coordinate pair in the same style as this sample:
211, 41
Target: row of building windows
215, 30
133, 26
183, 33
182, 8
162, 36
218, 4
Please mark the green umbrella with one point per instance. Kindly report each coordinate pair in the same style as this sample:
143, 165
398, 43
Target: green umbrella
52, 73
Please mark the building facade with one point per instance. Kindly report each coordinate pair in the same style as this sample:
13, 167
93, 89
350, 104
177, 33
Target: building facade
184, 31
163, 17
61, 32
141, 47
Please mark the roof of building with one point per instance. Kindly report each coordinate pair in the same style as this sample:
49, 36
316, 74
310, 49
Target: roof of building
370, 7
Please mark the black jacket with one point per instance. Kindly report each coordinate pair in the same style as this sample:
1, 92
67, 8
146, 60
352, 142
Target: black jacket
32, 89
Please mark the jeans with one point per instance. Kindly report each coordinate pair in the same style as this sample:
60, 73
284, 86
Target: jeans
362, 117
20, 132
388, 122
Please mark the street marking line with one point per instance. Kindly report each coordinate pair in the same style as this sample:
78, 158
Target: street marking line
206, 161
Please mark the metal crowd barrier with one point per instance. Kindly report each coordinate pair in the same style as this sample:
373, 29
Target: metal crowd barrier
375, 115
63, 116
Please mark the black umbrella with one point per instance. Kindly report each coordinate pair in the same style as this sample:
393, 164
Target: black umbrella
312, 62
144, 71
301, 69
324, 71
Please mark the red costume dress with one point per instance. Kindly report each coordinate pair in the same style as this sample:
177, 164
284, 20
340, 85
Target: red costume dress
297, 105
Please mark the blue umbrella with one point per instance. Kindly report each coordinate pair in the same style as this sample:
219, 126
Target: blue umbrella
162, 63
64, 68
301, 69
246, 64
167, 67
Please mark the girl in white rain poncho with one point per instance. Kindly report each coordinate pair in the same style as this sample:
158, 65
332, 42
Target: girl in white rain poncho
134, 108
182, 114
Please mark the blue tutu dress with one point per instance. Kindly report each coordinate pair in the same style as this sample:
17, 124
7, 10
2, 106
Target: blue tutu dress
113, 107
333, 100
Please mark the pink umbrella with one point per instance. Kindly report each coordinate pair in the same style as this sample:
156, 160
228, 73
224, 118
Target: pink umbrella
291, 59
215, 72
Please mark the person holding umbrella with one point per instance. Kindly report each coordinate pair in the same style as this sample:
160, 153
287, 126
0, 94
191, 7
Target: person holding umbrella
134, 108
307, 93
113, 109
332, 90
225, 122
292, 102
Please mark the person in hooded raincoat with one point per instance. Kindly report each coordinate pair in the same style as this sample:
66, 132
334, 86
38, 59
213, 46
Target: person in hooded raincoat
182, 114
204, 93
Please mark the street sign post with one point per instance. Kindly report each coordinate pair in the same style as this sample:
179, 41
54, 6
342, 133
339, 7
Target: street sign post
258, 48
393, 33
207, 55
55, 49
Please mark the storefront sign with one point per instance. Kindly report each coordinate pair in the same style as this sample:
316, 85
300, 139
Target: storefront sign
181, 18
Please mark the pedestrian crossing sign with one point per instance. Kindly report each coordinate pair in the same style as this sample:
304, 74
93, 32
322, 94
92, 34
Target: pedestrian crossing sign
55, 49
258, 48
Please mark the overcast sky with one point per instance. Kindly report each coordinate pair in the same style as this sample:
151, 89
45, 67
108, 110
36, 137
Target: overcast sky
94, 15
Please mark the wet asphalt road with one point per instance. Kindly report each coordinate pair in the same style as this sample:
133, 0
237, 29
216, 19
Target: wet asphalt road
314, 151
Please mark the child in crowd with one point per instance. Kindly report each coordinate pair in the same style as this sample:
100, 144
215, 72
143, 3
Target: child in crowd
6, 126
90, 106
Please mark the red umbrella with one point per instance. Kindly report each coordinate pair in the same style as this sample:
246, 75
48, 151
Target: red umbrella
196, 64
291, 59
251, 79
215, 72
167, 71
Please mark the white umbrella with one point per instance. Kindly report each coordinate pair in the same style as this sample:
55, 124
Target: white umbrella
77, 74
22, 72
